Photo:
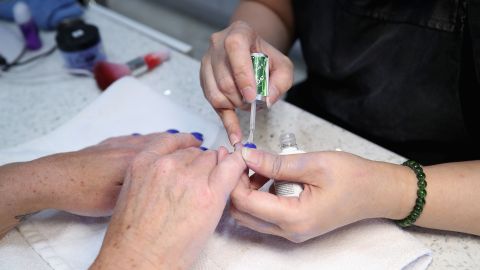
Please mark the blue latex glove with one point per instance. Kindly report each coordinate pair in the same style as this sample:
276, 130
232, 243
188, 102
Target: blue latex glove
46, 13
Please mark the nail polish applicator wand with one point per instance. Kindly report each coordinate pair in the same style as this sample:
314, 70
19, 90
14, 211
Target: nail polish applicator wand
105, 73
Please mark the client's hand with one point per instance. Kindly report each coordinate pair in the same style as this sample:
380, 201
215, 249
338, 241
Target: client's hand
85, 182
168, 207
340, 188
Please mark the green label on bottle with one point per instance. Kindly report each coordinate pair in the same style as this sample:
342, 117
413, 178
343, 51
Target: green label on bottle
261, 70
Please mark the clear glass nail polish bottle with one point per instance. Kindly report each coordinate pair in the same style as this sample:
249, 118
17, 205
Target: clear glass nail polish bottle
288, 146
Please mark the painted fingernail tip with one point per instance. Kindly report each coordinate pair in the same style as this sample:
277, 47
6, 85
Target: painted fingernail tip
203, 148
198, 136
172, 131
136, 134
250, 145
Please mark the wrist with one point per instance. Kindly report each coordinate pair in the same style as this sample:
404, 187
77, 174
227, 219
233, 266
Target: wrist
120, 258
20, 192
396, 190
129, 252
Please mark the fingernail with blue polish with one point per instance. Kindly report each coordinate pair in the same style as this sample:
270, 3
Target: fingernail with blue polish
198, 136
172, 131
250, 145
136, 134
203, 148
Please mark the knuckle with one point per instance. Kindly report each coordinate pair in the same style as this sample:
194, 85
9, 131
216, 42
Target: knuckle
241, 72
226, 84
208, 93
234, 41
203, 63
211, 98
126, 152
238, 202
192, 150
138, 164
240, 23
166, 138
230, 125
165, 164
218, 100
277, 166
215, 39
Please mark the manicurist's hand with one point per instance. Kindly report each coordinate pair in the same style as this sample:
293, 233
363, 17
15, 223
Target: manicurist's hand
227, 77
339, 189
85, 182
168, 207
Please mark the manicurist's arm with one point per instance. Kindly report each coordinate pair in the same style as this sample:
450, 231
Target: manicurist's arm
453, 199
341, 188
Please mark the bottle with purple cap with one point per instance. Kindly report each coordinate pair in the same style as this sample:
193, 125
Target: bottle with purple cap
23, 17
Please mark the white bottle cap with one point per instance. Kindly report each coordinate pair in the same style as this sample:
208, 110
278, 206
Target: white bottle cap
21, 13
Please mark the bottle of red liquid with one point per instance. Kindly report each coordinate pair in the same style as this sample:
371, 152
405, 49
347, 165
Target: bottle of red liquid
106, 73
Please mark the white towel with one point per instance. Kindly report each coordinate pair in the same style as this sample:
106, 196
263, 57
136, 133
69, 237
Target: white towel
67, 241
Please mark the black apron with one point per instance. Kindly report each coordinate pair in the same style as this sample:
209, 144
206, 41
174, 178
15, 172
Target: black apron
401, 73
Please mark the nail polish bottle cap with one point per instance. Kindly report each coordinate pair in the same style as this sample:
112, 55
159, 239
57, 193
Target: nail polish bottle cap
21, 13
288, 140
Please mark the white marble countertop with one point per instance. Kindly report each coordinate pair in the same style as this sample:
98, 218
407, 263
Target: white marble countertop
37, 98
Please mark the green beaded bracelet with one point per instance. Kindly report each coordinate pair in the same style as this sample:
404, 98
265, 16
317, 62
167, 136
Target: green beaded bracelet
421, 194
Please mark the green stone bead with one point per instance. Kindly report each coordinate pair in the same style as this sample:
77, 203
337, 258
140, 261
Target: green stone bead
422, 184
418, 171
407, 223
421, 175
420, 202
422, 193
409, 163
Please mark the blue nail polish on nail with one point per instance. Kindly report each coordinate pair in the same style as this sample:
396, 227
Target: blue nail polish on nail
172, 131
198, 136
203, 148
136, 134
250, 145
